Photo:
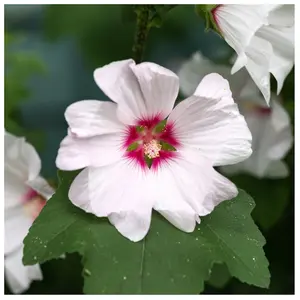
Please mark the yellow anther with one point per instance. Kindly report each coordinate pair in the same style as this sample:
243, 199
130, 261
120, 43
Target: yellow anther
151, 149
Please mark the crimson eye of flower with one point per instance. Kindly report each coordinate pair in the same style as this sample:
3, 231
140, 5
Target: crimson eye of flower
151, 142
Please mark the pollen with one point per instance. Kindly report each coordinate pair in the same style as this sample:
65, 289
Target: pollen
151, 149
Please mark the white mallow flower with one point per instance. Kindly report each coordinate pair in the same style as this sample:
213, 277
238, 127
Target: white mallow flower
272, 140
25, 195
193, 70
263, 38
270, 126
116, 142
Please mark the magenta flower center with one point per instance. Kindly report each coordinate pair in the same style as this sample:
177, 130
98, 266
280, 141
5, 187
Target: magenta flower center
151, 141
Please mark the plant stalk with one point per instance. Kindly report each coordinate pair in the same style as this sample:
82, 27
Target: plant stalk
142, 29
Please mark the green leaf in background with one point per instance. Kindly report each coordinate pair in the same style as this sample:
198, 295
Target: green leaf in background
127, 13
271, 197
92, 25
167, 261
19, 66
18, 70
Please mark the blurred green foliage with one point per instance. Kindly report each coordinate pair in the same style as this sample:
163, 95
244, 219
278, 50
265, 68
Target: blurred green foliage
104, 33
19, 67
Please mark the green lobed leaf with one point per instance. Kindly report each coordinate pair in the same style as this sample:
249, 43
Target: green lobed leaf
167, 261
219, 277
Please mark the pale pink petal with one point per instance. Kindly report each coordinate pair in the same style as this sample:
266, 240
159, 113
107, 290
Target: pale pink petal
203, 187
222, 189
77, 153
259, 54
197, 67
119, 191
274, 169
281, 134
282, 59
120, 84
80, 190
21, 158
272, 139
134, 225
215, 86
210, 122
189, 187
16, 226
42, 187
282, 15
91, 117
263, 38
181, 215
262, 135
280, 68
18, 276
159, 86
238, 23
14, 190
193, 70
272, 134
281, 144
257, 163
170, 198
21, 164
240, 62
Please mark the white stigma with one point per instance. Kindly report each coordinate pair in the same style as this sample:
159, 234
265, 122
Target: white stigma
151, 149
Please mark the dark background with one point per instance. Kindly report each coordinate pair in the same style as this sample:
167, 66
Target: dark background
56, 48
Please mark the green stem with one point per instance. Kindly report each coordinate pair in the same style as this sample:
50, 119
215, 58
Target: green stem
142, 29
